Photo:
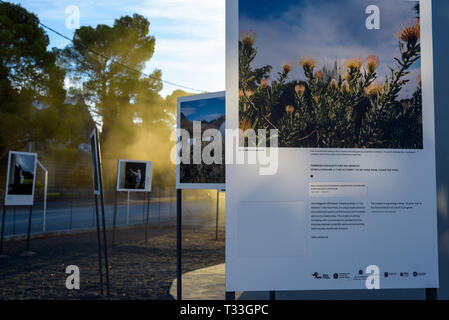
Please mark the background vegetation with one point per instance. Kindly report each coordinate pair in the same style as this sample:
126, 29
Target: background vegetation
50, 99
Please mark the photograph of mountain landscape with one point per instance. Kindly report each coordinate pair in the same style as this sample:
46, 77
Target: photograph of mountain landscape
326, 75
210, 112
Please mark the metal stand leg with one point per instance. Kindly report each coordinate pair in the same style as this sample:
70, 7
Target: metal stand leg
14, 222
159, 210
105, 243
179, 243
71, 214
127, 211
99, 246
216, 217
431, 294
148, 218
114, 219
3, 229
230, 295
29, 228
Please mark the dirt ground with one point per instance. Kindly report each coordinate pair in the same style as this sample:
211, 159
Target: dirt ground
137, 270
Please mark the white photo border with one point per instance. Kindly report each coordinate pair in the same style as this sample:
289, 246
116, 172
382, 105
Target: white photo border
148, 176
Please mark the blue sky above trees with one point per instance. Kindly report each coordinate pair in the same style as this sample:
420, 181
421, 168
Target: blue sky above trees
190, 34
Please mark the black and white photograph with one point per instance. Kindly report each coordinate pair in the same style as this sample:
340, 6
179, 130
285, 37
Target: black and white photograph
134, 176
21, 178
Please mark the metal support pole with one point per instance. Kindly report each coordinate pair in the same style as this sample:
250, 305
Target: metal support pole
44, 225
143, 207
105, 242
114, 219
3, 229
148, 218
71, 214
29, 228
99, 246
159, 209
179, 243
230, 295
216, 217
431, 294
127, 212
14, 222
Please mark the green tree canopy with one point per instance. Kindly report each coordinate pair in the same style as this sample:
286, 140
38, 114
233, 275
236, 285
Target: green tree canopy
31, 84
106, 63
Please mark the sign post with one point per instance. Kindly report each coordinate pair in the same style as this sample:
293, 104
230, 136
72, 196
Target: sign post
98, 190
20, 187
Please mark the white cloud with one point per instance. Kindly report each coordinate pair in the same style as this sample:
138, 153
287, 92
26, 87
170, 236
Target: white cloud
190, 41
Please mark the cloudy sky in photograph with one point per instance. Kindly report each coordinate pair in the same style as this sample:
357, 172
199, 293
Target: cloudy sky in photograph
204, 110
327, 30
190, 34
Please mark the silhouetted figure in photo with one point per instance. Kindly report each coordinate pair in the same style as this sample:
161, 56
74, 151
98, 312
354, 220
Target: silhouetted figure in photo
138, 177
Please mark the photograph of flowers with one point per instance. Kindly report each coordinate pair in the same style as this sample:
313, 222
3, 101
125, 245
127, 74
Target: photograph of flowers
315, 71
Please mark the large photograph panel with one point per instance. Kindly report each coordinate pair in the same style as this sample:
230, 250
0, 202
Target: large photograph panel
209, 111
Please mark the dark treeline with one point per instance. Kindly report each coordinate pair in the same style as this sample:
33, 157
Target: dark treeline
50, 98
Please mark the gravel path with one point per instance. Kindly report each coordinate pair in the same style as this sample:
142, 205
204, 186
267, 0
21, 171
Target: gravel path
137, 270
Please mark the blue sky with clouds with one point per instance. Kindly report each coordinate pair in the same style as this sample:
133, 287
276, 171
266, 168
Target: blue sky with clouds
190, 34
25, 161
204, 110
328, 30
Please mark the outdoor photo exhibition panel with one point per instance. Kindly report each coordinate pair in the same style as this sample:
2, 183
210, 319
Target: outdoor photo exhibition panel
95, 154
352, 183
134, 176
201, 119
20, 179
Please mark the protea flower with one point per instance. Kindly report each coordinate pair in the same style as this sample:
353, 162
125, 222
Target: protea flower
319, 75
248, 38
374, 89
290, 109
345, 87
287, 67
307, 62
248, 93
372, 62
354, 63
333, 84
410, 34
300, 89
264, 82
245, 124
